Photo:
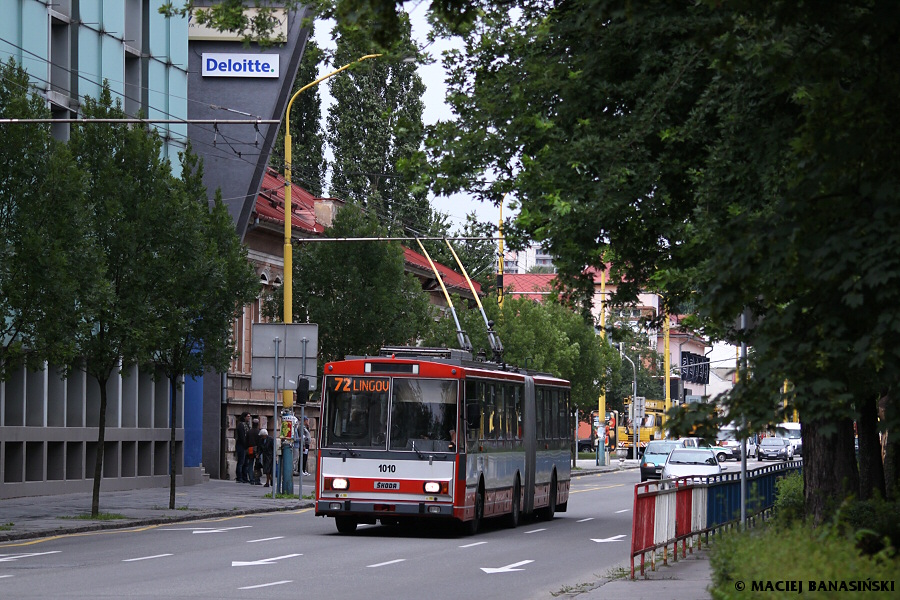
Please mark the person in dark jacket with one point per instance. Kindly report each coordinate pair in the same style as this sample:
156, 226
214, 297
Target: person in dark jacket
267, 454
241, 442
253, 452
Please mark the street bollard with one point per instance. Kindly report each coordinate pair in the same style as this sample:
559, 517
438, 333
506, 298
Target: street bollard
286, 484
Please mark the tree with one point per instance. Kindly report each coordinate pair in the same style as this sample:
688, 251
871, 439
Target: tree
715, 148
307, 138
358, 292
126, 183
374, 127
201, 280
544, 336
42, 234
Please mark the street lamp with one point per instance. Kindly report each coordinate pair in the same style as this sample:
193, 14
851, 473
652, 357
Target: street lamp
287, 395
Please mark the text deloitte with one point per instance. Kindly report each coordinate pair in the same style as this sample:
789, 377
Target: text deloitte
240, 65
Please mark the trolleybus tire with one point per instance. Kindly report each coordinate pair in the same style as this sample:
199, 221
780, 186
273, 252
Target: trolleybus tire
345, 525
515, 514
549, 511
474, 525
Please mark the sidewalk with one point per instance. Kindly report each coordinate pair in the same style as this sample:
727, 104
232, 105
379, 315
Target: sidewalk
45, 516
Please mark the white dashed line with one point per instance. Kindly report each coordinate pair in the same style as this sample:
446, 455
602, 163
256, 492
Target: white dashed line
390, 562
280, 537
473, 544
621, 511
584, 520
145, 557
262, 585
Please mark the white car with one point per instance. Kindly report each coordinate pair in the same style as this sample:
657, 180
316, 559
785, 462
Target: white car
691, 462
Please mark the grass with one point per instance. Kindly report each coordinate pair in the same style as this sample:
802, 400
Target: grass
99, 517
282, 496
6, 526
573, 589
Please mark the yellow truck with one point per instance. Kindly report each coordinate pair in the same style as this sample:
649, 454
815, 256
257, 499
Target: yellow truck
650, 426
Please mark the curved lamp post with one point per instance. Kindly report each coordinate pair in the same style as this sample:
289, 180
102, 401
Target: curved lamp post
287, 397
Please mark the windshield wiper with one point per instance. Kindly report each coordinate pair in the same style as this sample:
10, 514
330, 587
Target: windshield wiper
417, 450
347, 447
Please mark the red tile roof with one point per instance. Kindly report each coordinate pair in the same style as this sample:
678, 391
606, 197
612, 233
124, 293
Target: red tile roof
270, 207
536, 286
452, 279
270, 204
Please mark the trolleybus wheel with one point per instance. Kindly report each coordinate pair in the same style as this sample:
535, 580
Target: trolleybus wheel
474, 525
549, 512
512, 520
345, 525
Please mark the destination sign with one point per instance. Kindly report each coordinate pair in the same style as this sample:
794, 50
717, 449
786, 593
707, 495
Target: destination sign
355, 385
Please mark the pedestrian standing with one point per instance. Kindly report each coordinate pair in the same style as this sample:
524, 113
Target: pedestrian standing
253, 452
267, 454
305, 439
241, 441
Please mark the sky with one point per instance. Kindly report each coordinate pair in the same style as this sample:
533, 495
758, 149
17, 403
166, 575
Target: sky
459, 205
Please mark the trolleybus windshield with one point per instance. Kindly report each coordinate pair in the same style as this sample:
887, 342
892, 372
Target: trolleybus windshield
423, 415
359, 411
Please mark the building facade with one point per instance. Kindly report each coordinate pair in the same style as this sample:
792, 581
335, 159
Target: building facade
49, 420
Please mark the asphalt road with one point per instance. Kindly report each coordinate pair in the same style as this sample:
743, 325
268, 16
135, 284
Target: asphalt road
298, 555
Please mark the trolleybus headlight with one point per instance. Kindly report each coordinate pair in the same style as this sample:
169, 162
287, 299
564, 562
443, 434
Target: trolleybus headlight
435, 510
335, 506
334, 483
437, 487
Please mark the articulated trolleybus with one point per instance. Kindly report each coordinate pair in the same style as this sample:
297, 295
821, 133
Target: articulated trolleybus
428, 433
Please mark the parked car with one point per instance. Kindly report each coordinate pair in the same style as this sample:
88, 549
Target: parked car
585, 445
655, 455
775, 448
731, 446
791, 432
691, 462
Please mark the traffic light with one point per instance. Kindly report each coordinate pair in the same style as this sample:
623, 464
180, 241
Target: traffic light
302, 390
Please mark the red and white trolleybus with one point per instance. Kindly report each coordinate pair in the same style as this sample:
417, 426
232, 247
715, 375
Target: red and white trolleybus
428, 433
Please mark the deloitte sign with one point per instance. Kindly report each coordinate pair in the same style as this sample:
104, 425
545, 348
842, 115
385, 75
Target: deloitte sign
240, 65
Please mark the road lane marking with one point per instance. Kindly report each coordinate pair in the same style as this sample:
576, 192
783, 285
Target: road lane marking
263, 561
594, 489
12, 557
507, 568
266, 539
206, 529
145, 557
5, 576
473, 544
390, 562
615, 538
623, 510
535, 530
583, 520
262, 585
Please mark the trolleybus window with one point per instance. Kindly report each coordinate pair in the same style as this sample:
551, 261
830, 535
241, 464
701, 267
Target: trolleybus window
423, 413
357, 411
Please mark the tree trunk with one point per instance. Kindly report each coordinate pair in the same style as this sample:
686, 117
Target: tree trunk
871, 468
829, 467
890, 451
172, 443
101, 448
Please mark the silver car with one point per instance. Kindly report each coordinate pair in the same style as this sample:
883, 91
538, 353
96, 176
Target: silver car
691, 462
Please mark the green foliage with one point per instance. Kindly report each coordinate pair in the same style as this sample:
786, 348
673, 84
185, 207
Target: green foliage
545, 337
794, 554
231, 15
307, 138
45, 254
374, 127
872, 523
789, 507
357, 292
739, 154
